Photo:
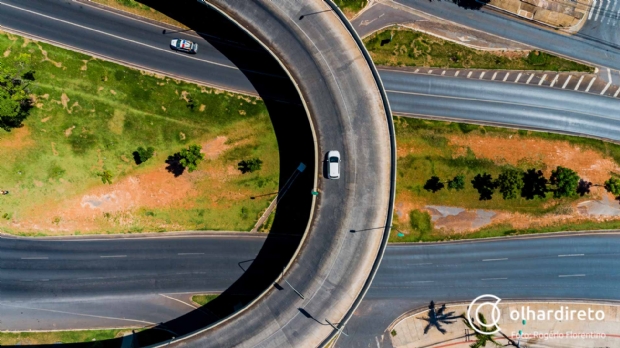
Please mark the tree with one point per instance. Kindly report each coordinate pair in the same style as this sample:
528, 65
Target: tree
485, 185
510, 183
458, 183
433, 184
534, 184
613, 185
191, 157
142, 155
250, 165
15, 101
106, 177
481, 338
566, 182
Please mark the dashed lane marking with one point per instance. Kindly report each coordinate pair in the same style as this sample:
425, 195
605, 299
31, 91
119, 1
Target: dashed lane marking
571, 275
542, 80
571, 255
579, 82
486, 260
35, 258
493, 278
590, 84
566, 82
111, 256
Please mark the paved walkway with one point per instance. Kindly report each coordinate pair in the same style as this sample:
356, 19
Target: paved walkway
410, 330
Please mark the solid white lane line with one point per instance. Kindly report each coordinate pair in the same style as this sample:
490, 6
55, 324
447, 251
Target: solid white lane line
468, 75
571, 255
110, 256
506, 77
529, 79
485, 260
590, 85
571, 275
443, 73
190, 254
579, 82
555, 79
482, 75
592, 10
606, 87
175, 299
566, 82
457, 73
494, 279
518, 77
119, 37
35, 258
542, 80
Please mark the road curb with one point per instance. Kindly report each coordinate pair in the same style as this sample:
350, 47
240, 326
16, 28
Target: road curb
146, 235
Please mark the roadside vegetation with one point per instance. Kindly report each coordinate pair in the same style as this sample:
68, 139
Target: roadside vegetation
94, 147
54, 337
495, 181
203, 299
351, 7
404, 47
137, 8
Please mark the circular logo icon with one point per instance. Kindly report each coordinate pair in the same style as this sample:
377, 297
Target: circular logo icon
480, 302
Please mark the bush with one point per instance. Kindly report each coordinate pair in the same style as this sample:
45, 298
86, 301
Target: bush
250, 165
537, 58
566, 182
613, 185
458, 183
191, 157
15, 101
510, 183
106, 177
142, 155
420, 222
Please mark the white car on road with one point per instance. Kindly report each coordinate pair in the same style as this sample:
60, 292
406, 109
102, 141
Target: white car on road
333, 165
184, 45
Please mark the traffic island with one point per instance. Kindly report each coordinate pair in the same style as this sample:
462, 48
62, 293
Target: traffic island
515, 324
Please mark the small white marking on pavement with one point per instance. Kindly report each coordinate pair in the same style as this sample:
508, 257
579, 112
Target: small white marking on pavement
418, 264
443, 73
423, 281
35, 258
430, 71
506, 77
599, 11
90, 278
579, 82
109, 256
566, 82
457, 73
592, 10
518, 77
529, 79
175, 299
416, 70
606, 87
571, 255
494, 279
555, 79
493, 77
571, 275
377, 340
468, 75
182, 254
609, 74
482, 75
485, 260
606, 8
590, 85
45, 280
617, 92
542, 80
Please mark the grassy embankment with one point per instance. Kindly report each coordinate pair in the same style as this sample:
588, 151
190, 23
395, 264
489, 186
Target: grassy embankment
203, 299
137, 8
411, 48
52, 337
351, 7
427, 148
91, 116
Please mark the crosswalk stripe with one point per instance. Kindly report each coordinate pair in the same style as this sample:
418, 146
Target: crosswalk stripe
606, 87
612, 15
506, 77
592, 10
542, 80
599, 11
566, 82
555, 79
518, 77
579, 82
530, 79
606, 8
590, 85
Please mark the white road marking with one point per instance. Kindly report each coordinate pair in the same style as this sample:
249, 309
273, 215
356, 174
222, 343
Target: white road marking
542, 80
592, 10
110, 256
419, 264
608, 74
506, 77
443, 73
430, 71
599, 11
493, 77
571, 255
90, 278
606, 7
590, 85
482, 75
606, 87
555, 79
416, 70
35, 258
468, 75
182, 254
518, 77
617, 16
617, 92
119, 37
485, 260
423, 281
529, 79
566, 82
494, 279
175, 299
457, 73
611, 17
571, 275
579, 82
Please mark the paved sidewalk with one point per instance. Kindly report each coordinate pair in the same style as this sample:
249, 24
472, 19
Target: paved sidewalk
605, 82
410, 330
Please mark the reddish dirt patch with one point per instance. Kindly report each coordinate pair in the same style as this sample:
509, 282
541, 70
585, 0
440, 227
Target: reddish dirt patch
18, 138
213, 148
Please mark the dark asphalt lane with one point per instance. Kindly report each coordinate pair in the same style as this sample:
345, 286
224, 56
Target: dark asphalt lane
410, 276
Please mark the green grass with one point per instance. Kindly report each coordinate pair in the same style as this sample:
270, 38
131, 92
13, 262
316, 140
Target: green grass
135, 7
203, 299
411, 48
34, 338
351, 7
430, 153
91, 115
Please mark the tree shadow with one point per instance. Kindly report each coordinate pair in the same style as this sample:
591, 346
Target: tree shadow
470, 4
583, 187
174, 164
438, 317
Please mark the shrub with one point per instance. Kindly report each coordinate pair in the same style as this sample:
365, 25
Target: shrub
191, 157
566, 182
420, 222
106, 176
142, 155
250, 165
458, 183
510, 183
613, 185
